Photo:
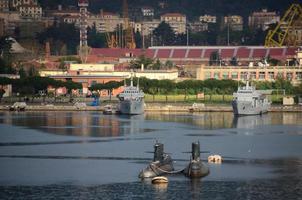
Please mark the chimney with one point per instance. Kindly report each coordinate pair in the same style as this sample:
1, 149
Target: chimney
59, 7
102, 13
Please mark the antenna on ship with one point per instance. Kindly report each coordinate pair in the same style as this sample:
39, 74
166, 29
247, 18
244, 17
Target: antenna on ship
137, 83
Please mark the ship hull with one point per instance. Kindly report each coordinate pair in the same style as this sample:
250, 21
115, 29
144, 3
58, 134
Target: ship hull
246, 108
131, 107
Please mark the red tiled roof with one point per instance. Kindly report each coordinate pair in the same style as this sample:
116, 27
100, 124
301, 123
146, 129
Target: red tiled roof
243, 52
276, 52
227, 53
179, 53
163, 53
208, 52
259, 53
194, 53
291, 51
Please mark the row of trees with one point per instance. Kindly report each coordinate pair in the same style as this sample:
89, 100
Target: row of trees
193, 87
32, 86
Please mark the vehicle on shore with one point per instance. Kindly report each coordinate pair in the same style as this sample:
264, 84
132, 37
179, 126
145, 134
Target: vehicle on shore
108, 110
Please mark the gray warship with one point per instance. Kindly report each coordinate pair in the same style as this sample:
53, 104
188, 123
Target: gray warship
249, 101
131, 100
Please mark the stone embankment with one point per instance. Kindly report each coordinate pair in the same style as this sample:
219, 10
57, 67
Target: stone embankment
152, 107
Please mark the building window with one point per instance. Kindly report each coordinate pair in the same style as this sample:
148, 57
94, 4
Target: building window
271, 75
299, 75
243, 75
289, 75
207, 75
234, 75
262, 75
225, 75
252, 75
216, 75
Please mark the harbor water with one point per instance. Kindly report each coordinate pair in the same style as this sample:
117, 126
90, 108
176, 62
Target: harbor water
88, 155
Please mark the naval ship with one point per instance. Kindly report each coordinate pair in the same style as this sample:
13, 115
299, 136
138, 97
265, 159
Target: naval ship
131, 100
249, 101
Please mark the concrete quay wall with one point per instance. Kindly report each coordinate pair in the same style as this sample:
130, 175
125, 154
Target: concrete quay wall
160, 107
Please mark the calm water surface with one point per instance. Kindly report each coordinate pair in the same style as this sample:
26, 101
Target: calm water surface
87, 155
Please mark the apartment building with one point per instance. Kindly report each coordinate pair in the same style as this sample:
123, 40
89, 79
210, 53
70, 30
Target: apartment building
177, 21
263, 19
4, 5
207, 18
147, 27
234, 22
30, 11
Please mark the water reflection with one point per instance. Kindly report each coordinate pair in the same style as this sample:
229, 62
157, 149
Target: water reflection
97, 125
77, 123
206, 120
251, 121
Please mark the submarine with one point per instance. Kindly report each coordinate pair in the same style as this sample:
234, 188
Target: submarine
196, 168
162, 163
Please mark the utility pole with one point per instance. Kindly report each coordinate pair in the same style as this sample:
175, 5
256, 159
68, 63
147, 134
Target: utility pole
228, 31
143, 35
187, 35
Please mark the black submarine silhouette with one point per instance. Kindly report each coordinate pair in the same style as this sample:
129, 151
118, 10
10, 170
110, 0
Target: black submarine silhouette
196, 168
163, 164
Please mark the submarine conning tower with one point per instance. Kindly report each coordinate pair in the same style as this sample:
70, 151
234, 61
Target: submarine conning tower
196, 151
158, 152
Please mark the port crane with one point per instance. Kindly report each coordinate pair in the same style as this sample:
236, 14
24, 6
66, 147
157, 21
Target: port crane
284, 34
127, 37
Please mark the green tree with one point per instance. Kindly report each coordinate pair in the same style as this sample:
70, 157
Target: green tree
112, 85
215, 58
234, 61
95, 39
166, 87
164, 34
142, 59
59, 35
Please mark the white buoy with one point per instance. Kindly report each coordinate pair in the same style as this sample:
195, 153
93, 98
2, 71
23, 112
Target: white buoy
215, 159
159, 180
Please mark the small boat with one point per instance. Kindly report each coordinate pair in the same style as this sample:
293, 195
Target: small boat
108, 110
18, 106
161, 164
159, 180
196, 168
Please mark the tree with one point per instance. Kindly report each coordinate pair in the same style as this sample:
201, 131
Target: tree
112, 85
215, 58
166, 86
59, 35
157, 65
5, 47
234, 61
142, 59
95, 39
2, 92
164, 34
169, 64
